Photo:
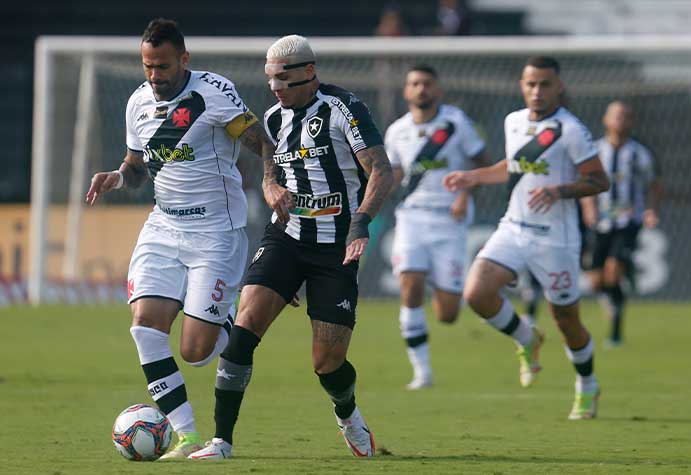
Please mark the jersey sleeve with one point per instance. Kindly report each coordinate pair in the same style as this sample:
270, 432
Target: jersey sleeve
391, 149
471, 142
357, 125
225, 107
132, 138
579, 143
647, 165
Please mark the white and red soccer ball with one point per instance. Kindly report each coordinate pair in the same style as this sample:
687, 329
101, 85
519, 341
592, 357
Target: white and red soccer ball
141, 433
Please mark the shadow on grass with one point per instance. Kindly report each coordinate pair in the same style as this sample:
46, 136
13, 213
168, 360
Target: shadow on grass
644, 419
480, 459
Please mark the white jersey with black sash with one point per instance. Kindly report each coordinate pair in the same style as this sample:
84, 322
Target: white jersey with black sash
630, 168
190, 155
315, 148
426, 152
545, 153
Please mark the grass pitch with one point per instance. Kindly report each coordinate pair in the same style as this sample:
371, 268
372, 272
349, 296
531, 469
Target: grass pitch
66, 372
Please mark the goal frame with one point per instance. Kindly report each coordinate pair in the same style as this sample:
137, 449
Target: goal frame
46, 47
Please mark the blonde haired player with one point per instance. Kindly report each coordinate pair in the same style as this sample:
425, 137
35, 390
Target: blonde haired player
330, 176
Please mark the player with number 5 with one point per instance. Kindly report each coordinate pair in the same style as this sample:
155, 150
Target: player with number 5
550, 162
184, 129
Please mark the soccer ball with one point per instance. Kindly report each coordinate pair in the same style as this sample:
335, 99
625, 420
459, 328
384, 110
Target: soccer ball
141, 433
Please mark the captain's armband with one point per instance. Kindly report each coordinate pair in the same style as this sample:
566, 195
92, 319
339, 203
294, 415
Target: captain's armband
240, 123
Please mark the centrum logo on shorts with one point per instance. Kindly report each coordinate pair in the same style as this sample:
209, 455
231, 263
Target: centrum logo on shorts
308, 206
301, 154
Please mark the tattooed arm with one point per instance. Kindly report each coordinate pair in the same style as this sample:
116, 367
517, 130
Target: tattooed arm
592, 180
277, 197
377, 164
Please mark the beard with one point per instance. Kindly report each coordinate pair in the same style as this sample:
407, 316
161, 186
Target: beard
425, 104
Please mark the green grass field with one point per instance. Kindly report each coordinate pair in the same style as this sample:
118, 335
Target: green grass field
66, 372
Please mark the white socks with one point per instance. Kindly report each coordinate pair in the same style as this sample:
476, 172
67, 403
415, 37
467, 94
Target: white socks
413, 326
506, 321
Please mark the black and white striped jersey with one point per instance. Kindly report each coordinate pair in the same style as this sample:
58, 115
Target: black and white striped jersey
316, 147
630, 168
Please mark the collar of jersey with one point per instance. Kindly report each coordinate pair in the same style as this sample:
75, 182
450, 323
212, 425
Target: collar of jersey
187, 82
306, 106
431, 119
556, 111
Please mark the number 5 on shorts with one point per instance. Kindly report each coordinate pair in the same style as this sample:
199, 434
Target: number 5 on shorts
217, 294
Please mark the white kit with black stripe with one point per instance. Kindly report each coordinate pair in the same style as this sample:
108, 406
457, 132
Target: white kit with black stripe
190, 157
316, 147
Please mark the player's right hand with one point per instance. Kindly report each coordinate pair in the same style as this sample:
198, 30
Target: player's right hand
102, 182
280, 200
454, 181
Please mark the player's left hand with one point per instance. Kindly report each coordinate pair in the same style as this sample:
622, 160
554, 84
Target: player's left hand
542, 199
355, 250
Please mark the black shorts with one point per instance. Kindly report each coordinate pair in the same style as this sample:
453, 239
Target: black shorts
618, 243
282, 264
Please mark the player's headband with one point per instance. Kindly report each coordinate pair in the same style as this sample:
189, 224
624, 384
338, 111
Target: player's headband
272, 69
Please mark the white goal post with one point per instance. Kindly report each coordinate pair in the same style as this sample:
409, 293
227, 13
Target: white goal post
76, 75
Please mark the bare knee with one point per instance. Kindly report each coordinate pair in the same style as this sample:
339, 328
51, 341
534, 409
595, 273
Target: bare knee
476, 296
412, 289
193, 354
155, 313
448, 316
329, 346
447, 307
327, 361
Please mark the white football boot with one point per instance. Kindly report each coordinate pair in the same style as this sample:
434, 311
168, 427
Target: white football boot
214, 449
356, 434
420, 382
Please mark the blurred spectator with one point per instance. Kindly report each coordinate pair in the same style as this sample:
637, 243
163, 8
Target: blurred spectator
391, 22
453, 18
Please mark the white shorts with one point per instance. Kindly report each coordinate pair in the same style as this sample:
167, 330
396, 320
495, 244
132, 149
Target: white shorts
557, 268
202, 271
435, 247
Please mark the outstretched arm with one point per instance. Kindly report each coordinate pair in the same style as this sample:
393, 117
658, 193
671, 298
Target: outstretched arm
254, 138
376, 163
493, 174
459, 207
132, 173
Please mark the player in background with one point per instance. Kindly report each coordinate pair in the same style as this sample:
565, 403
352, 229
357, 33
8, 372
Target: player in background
329, 178
617, 215
184, 128
550, 162
425, 144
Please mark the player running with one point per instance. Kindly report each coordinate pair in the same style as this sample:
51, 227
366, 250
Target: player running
617, 216
550, 162
431, 223
183, 131
330, 178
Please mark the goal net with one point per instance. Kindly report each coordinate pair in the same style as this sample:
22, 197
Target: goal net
82, 85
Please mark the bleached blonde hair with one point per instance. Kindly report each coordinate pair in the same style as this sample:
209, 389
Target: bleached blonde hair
293, 48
